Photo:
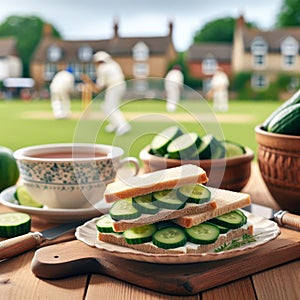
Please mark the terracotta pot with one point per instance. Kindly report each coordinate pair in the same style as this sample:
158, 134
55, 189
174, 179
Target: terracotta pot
231, 173
279, 163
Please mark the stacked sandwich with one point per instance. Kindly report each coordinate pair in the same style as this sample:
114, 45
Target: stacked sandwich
172, 211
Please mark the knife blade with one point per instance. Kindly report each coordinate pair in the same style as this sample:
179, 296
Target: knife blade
281, 217
17, 245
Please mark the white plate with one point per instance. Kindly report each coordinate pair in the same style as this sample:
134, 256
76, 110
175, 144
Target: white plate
265, 230
56, 215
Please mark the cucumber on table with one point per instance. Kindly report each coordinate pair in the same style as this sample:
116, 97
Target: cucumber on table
287, 121
184, 146
161, 141
169, 237
139, 235
14, 224
203, 233
194, 193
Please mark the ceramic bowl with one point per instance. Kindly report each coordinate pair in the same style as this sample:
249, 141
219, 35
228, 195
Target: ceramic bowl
226, 173
69, 175
279, 163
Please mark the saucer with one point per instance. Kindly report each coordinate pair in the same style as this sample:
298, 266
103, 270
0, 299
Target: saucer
56, 215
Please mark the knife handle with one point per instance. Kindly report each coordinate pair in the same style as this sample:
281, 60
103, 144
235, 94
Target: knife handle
17, 245
291, 220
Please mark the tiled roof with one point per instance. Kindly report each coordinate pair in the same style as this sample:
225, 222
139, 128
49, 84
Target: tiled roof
115, 46
7, 46
273, 38
220, 51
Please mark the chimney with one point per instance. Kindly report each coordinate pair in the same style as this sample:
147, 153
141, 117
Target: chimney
116, 28
240, 22
47, 30
170, 28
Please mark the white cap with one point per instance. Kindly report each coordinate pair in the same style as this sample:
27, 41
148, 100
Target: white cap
101, 56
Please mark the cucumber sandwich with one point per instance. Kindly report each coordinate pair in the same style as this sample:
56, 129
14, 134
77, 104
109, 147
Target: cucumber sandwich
172, 211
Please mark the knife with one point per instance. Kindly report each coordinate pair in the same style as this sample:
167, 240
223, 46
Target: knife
17, 245
281, 217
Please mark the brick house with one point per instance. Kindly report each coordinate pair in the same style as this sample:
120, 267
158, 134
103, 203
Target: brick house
139, 57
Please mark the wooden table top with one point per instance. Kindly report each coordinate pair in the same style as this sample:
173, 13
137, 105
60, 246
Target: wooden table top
279, 282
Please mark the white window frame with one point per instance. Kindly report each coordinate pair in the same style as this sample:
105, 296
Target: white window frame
209, 65
257, 80
140, 70
85, 53
289, 50
54, 53
259, 50
140, 52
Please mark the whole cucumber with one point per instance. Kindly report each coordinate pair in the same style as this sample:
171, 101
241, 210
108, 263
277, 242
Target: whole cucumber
293, 100
286, 121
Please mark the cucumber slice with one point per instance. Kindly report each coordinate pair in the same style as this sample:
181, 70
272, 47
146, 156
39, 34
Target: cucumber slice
169, 238
184, 146
194, 193
144, 204
25, 199
14, 224
243, 215
230, 220
124, 210
104, 224
222, 228
168, 199
203, 233
233, 149
210, 148
161, 141
140, 234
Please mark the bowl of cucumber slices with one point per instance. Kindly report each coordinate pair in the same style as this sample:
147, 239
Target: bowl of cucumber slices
278, 153
227, 163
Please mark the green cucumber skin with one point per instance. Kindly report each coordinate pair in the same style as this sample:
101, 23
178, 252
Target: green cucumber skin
203, 233
108, 225
295, 99
225, 222
126, 204
133, 236
286, 121
148, 208
20, 227
169, 238
205, 196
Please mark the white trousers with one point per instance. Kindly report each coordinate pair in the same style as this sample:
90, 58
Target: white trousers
173, 96
61, 104
111, 104
221, 100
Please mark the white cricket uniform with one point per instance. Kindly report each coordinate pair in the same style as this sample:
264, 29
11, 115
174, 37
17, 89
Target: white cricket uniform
173, 86
60, 88
219, 85
110, 76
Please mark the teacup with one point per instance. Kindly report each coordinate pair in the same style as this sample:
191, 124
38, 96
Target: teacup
70, 176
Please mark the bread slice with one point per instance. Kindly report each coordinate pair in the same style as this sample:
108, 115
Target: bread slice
155, 181
118, 239
164, 214
226, 202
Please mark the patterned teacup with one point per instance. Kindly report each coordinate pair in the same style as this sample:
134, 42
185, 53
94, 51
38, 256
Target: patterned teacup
70, 175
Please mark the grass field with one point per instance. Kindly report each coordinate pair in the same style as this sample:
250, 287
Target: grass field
29, 123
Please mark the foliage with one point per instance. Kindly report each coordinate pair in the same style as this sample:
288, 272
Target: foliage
289, 14
27, 32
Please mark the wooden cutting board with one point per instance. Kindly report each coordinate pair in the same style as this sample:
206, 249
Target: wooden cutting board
75, 257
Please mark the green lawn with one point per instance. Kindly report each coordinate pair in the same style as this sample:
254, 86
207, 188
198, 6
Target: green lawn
29, 123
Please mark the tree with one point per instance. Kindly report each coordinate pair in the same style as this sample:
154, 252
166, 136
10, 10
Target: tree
27, 31
219, 30
289, 14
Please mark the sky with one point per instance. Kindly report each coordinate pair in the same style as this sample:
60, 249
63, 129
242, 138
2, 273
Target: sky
93, 19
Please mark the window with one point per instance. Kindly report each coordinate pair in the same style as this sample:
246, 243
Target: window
49, 71
209, 66
85, 53
54, 53
259, 81
140, 52
259, 49
289, 50
140, 70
